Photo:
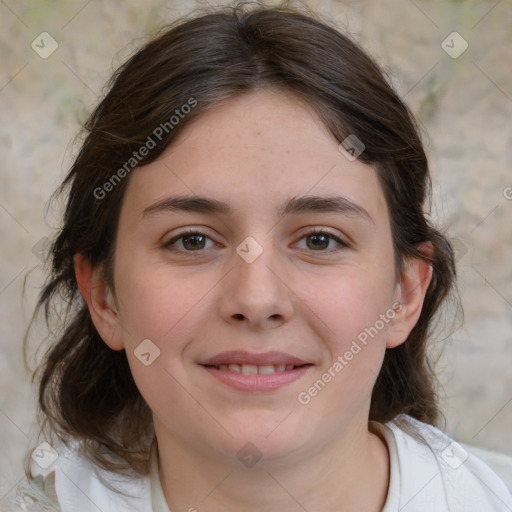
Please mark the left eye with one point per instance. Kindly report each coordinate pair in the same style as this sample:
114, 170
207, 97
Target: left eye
321, 240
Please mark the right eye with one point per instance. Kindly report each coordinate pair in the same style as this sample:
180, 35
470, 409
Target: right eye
189, 241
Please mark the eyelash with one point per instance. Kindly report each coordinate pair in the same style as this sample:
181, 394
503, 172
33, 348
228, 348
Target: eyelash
316, 231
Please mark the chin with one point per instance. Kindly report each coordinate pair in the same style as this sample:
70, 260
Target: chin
270, 440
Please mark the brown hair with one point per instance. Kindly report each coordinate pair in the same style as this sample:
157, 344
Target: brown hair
86, 390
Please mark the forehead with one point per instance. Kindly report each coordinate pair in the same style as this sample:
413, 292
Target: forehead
256, 150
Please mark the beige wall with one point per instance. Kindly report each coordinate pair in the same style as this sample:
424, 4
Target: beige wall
465, 104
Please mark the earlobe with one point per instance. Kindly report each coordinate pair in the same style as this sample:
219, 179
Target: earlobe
100, 301
410, 294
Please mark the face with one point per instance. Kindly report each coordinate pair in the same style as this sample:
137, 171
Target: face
266, 290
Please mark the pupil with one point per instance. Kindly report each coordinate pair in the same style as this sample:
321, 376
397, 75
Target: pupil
323, 239
193, 241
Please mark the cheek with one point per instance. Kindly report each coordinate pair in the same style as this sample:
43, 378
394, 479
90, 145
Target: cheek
155, 304
168, 311
352, 303
354, 343
354, 313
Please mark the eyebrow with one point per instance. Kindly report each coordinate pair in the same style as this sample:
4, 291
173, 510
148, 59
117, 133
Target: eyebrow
295, 205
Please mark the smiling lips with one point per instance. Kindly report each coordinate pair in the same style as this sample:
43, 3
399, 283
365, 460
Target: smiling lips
255, 372
251, 369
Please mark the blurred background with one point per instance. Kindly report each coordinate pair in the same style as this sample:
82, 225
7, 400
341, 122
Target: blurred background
450, 60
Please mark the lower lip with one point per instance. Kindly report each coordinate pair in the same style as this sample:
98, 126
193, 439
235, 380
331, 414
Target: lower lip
266, 382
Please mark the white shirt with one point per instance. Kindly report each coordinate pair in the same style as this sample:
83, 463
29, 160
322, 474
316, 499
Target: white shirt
437, 475
440, 476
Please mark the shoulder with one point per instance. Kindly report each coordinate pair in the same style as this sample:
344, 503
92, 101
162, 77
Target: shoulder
63, 479
436, 471
500, 463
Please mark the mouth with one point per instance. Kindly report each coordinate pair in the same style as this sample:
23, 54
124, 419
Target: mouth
251, 369
246, 371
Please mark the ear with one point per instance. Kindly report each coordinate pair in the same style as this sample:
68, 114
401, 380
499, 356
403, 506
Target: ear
410, 294
100, 301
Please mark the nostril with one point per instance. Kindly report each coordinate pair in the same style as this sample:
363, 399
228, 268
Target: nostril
239, 316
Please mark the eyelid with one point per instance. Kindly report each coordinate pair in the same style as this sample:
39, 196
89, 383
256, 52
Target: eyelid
187, 230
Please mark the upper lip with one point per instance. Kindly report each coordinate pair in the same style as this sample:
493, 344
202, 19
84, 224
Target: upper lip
242, 357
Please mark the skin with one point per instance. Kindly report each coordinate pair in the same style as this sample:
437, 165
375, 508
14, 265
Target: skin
255, 152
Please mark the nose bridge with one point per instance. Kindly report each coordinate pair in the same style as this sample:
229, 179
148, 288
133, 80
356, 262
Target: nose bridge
256, 288
257, 265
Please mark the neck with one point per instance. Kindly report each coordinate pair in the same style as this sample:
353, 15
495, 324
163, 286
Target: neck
349, 473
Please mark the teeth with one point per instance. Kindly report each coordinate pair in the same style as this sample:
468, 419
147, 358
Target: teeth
251, 369
265, 370
235, 368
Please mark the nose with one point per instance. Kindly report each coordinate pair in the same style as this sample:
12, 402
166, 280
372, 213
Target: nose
257, 294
